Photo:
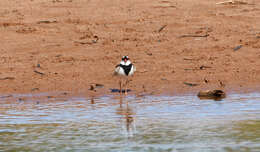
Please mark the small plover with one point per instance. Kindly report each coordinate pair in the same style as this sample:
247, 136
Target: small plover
123, 70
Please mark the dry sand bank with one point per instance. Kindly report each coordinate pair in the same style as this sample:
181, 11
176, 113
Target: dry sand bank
66, 45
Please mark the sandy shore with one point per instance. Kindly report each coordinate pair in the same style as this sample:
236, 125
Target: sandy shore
177, 46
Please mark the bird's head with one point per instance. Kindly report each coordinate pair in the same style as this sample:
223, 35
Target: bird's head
125, 58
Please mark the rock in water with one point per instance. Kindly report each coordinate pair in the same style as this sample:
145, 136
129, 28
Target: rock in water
212, 94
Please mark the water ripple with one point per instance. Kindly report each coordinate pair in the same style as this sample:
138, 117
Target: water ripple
151, 123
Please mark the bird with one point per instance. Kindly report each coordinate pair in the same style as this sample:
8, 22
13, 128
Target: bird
124, 69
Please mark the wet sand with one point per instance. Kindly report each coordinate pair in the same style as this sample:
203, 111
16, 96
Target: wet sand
177, 46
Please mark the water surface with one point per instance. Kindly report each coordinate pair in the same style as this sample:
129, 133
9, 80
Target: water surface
149, 123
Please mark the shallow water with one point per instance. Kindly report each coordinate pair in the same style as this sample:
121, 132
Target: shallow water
149, 123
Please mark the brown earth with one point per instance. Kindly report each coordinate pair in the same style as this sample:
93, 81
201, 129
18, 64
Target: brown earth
67, 45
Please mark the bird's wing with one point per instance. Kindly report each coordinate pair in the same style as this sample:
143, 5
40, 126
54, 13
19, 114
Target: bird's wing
117, 69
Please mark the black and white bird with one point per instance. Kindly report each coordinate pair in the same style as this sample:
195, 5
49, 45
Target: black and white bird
123, 70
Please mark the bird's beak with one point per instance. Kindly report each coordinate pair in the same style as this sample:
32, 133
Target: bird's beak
125, 60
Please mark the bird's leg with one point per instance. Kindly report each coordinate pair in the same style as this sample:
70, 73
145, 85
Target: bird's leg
120, 85
126, 82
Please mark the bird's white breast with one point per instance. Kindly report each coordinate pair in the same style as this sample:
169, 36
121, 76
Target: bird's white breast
120, 70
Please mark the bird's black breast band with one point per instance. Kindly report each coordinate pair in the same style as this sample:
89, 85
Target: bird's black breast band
127, 68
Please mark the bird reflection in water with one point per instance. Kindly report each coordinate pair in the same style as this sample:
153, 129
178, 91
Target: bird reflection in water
92, 103
127, 119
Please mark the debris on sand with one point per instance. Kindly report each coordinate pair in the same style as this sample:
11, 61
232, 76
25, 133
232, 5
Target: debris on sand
232, 2
206, 80
222, 84
34, 89
164, 79
160, 29
238, 47
204, 67
41, 73
212, 94
7, 78
99, 85
83, 43
95, 86
190, 84
46, 21
149, 53
26, 30
193, 35
86, 39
